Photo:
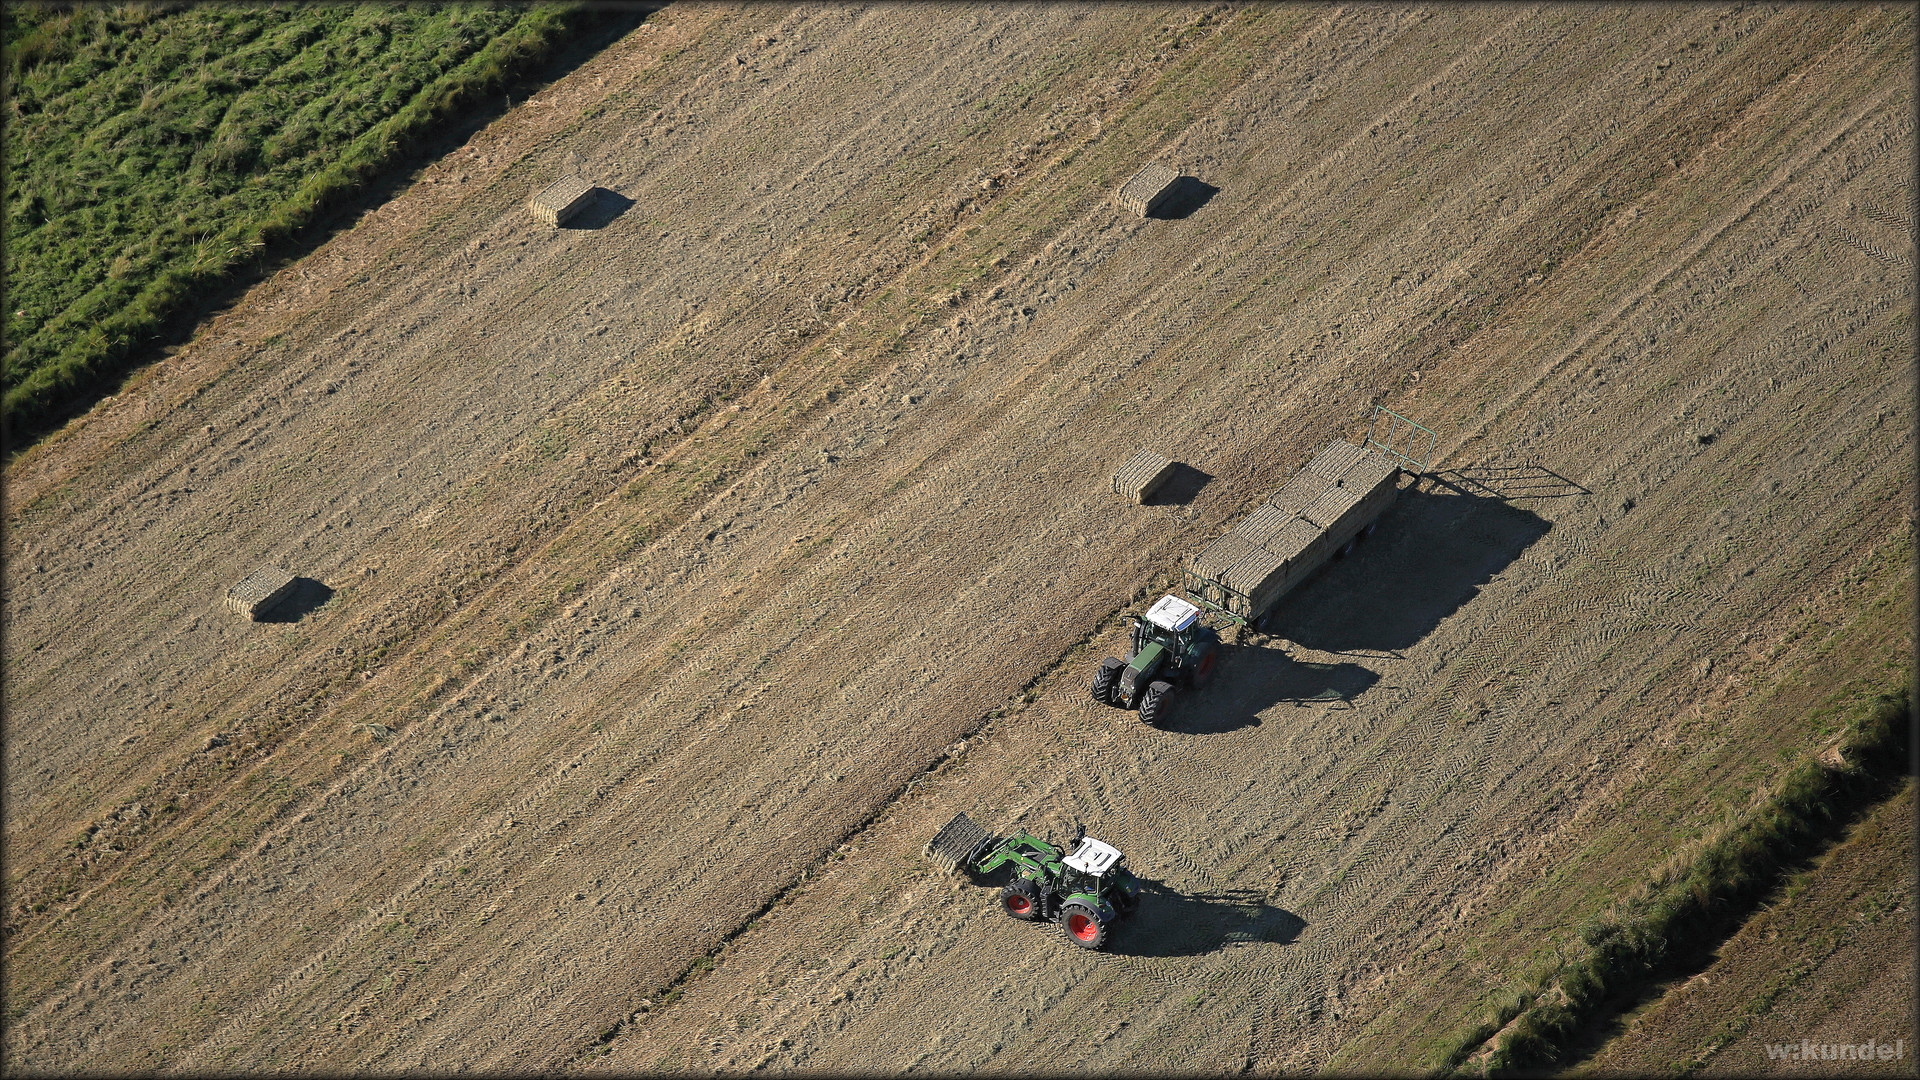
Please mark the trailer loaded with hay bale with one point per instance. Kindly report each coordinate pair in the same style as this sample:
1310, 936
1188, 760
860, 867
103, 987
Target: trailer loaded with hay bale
1319, 514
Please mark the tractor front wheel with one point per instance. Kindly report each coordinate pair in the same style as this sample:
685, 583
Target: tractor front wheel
1156, 702
1106, 681
1021, 899
1083, 926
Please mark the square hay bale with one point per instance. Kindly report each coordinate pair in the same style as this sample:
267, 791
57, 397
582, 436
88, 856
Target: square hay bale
1370, 470
1148, 188
260, 591
1216, 558
1263, 524
1142, 475
1332, 505
1301, 489
562, 199
1291, 543
1250, 572
1334, 460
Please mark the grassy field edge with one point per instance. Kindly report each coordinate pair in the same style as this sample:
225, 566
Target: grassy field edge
1701, 896
85, 366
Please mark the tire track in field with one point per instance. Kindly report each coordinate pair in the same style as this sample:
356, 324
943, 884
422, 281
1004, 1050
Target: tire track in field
270, 392
1690, 252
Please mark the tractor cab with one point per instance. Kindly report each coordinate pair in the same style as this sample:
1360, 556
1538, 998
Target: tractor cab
1091, 861
1172, 623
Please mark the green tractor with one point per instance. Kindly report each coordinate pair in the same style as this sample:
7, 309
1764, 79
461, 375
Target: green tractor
1086, 891
1171, 648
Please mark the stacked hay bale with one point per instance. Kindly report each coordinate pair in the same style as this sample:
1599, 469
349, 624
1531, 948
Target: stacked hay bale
1148, 188
259, 591
562, 199
1142, 475
1317, 513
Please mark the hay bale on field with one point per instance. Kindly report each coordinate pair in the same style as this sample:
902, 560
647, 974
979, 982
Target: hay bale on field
1142, 475
1148, 188
562, 199
259, 591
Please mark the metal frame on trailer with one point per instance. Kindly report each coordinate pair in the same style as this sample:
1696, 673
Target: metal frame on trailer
1395, 427
1215, 597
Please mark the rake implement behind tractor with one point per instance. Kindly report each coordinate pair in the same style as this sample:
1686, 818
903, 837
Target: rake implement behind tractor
1086, 891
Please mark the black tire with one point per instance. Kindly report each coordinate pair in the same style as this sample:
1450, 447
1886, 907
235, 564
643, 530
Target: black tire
1021, 900
1346, 549
1155, 703
1368, 531
1204, 667
1083, 926
1106, 681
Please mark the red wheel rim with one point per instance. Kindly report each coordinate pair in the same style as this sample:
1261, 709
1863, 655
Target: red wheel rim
1082, 927
1206, 664
1018, 904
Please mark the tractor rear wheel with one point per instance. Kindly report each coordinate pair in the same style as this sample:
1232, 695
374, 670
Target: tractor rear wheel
1106, 681
1155, 703
1203, 667
1021, 899
1083, 926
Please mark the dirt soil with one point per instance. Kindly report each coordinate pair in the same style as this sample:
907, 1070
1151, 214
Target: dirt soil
669, 579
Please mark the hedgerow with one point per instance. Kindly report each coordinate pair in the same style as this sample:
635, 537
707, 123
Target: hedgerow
1697, 900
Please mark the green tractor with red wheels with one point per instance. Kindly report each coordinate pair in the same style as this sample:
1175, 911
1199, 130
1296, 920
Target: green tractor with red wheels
1086, 891
1172, 648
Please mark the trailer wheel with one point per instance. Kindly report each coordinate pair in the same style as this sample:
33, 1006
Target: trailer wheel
1368, 531
1155, 703
1021, 899
1083, 926
1346, 549
1106, 681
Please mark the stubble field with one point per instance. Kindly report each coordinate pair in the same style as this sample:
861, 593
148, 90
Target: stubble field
672, 578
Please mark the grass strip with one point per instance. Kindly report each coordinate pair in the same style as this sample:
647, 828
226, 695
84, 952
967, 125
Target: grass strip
1698, 898
132, 316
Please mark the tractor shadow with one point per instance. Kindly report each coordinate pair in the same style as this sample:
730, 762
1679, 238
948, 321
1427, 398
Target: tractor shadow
307, 596
1172, 923
1252, 679
601, 212
1436, 548
1180, 488
1189, 195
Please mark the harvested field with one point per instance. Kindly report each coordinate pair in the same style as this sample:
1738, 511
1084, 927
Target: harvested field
688, 572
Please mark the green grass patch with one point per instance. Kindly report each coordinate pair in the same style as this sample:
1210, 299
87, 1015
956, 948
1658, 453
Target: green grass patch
1700, 896
158, 153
